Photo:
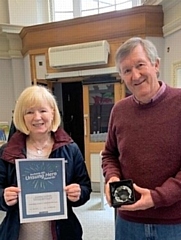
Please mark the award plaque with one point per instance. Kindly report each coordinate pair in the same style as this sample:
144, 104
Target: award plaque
122, 193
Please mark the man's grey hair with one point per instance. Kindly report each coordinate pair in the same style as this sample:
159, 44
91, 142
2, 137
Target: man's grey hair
127, 47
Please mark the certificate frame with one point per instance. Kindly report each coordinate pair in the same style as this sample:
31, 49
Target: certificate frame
42, 196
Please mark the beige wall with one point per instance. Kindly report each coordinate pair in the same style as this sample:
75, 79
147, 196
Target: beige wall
172, 36
11, 69
14, 70
28, 12
4, 14
12, 83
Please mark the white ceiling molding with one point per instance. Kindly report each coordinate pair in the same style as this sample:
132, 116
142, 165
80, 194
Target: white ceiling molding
10, 41
8, 28
172, 27
172, 16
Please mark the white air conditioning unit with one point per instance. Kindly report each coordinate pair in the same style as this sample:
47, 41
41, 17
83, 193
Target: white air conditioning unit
77, 55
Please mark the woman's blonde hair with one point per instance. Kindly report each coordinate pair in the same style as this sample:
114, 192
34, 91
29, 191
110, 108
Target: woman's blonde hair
35, 95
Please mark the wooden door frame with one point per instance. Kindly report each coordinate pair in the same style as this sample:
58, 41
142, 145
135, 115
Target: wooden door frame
96, 147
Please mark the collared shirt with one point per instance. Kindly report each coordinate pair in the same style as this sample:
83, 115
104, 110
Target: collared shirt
157, 95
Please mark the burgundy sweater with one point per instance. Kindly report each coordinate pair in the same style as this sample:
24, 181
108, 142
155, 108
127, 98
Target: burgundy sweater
144, 144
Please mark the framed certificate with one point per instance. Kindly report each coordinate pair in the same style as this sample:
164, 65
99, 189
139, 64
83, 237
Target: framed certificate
42, 195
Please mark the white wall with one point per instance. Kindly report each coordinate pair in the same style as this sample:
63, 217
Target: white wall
15, 71
28, 12
169, 48
12, 83
6, 91
172, 55
172, 36
12, 76
159, 42
27, 70
18, 76
4, 14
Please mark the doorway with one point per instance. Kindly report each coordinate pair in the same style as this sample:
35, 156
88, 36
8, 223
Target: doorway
73, 121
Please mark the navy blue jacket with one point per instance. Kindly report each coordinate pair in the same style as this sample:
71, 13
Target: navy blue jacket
76, 172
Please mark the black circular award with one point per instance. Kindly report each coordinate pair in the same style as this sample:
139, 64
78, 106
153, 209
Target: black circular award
122, 193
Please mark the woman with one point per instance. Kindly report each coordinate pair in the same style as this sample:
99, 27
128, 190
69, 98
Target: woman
37, 120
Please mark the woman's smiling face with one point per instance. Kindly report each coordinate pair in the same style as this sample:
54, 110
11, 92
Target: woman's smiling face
140, 75
38, 119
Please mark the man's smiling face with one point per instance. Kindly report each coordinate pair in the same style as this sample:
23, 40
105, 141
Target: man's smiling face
140, 75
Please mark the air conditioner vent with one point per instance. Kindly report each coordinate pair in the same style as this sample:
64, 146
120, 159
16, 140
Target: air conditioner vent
77, 55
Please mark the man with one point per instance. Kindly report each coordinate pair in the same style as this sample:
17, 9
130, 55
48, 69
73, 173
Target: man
144, 144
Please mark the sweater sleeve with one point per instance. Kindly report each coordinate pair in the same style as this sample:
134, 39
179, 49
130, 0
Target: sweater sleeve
169, 193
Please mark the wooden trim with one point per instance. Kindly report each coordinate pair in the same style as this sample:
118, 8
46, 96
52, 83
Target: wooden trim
93, 18
137, 21
86, 125
33, 69
96, 147
119, 92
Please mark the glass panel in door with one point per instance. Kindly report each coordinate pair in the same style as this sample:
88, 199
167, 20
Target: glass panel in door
101, 101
